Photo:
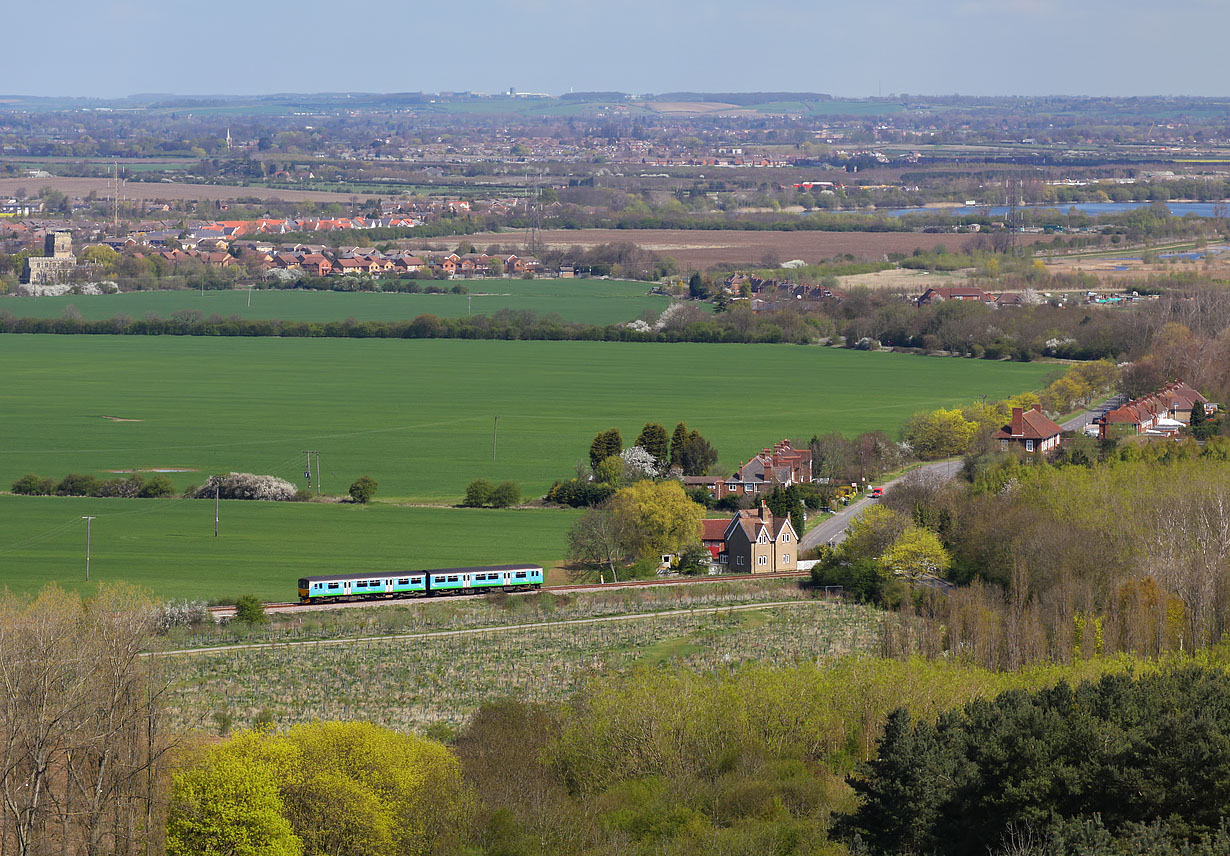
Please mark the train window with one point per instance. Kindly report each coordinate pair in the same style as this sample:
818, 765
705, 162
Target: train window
418, 581
374, 583
405, 582
520, 575
334, 585
361, 584
452, 579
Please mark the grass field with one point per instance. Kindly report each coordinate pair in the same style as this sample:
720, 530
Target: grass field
417, 415
583, 300
264, 547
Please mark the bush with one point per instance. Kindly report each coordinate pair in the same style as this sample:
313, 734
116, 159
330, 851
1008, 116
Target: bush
363, 489
77, 484
478, 493
505, 495
579, 494
157, 487
250, 609
32, 485
247, 486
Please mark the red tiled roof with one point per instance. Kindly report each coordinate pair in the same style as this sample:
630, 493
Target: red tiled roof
714, 529
1028, 425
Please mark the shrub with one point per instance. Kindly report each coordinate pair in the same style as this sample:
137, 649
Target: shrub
32, 485
128, 488
247, 486
478, 493
505, 495
157, 487
250, 609
77, 484
363, 489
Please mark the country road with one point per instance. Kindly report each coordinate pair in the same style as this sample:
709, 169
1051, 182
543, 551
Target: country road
833, 530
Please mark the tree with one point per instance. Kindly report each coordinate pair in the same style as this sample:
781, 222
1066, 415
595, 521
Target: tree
157, 487
697, 455
939, 434
363, 489
229, 804
601, 537
653, 439
506, 494
916, 553
478, 493
659, 515
695, 559
32, 485
604, 445
77, 484
639, 464
679, 439
250, 609
610, 471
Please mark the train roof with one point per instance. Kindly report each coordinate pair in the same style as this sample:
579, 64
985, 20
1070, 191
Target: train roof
478, 569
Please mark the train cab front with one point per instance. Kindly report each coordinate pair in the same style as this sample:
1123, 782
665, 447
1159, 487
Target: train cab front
304, 591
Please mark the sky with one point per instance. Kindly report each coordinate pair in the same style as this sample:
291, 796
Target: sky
971, 47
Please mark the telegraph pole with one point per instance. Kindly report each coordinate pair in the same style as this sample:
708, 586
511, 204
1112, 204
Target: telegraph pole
309, 453
87, 520
217, 506
495, 436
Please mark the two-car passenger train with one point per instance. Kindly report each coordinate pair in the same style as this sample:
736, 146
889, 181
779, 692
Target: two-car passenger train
392, 584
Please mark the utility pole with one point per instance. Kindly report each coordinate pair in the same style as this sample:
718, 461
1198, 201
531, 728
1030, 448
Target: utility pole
217, 506
87, 520
495, 436
308, 474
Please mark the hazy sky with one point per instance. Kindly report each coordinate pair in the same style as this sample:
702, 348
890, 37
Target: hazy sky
1111, 47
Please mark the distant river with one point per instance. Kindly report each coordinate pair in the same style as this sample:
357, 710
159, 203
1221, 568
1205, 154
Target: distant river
1178, 209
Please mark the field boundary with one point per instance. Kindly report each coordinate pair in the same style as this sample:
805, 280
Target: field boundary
491, 628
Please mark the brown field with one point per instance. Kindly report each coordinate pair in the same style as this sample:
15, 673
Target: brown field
150, 191
903, 279
700, 249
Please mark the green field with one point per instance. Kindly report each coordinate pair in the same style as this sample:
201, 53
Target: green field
169, 546
417, 415
589, 301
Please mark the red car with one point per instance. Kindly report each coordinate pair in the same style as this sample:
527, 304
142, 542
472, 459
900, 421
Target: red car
877, 492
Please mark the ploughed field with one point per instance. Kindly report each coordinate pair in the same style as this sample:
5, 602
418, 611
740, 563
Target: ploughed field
700, 248
581, 300
418, 415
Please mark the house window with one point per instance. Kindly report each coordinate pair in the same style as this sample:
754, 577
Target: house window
1029, 445
785, 557
762, 560
739, 561
785, 536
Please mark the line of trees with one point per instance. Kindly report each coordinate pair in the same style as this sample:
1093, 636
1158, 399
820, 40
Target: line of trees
135, 485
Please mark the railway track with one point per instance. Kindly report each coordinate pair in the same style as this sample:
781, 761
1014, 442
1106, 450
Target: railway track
223, 612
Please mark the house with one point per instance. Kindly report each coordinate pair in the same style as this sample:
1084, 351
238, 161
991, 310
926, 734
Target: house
756, 542
937, 295
316, 264
1161, 412
781, 466
713, 536
351, 266
1029, 430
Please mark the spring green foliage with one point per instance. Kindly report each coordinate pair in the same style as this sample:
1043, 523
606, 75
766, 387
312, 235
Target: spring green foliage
250, 609
1124, 749
323, 788
916, 553
478, 493
659, 516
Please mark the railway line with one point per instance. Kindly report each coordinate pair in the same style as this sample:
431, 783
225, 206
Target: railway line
223, 612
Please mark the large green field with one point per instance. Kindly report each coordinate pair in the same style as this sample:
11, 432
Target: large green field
417, 415
169, 546
590, 301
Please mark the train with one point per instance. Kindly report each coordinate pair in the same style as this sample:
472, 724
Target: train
377, 585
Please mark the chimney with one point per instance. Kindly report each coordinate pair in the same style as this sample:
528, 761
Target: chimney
765, 514
1038, 407
1018, 422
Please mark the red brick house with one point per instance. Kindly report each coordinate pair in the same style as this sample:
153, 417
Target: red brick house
783, 465
1145, 415
936, 295
1029, 430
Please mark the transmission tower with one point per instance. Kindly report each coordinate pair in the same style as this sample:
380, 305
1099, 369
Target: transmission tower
1013, 190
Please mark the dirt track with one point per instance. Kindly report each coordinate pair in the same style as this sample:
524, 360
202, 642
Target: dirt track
150, 191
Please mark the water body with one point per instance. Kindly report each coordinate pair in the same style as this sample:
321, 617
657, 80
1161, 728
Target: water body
1178, 209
